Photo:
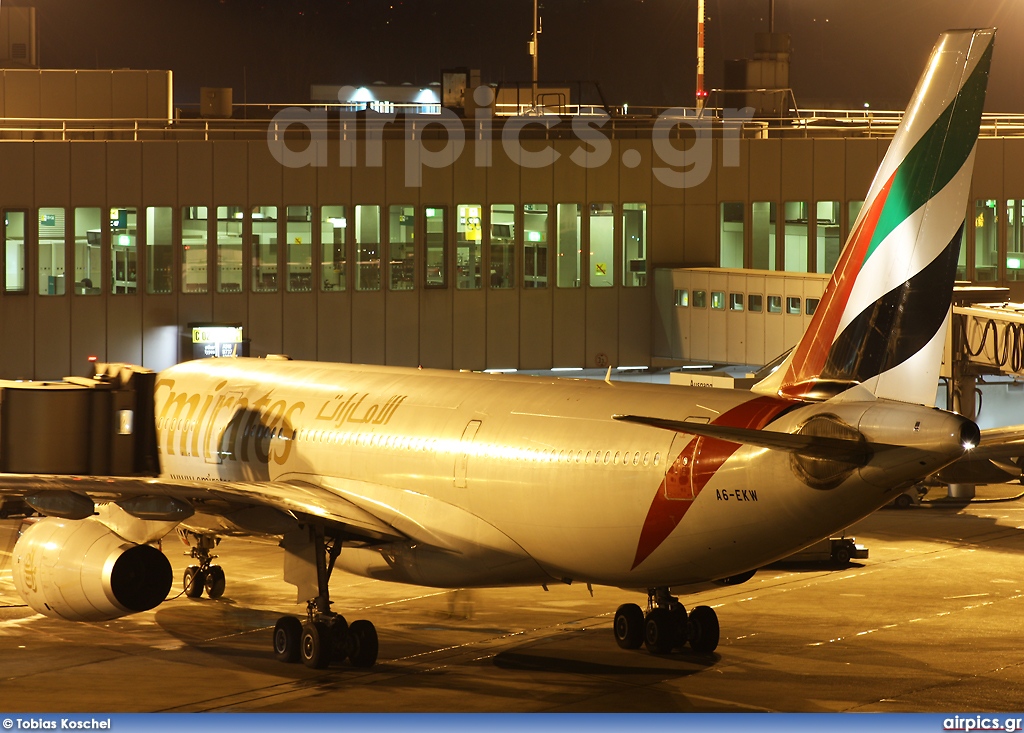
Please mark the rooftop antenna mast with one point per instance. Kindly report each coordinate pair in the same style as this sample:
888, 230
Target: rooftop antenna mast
534, 48
701, 93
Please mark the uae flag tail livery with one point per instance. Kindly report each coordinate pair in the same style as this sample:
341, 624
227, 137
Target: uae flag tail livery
883, 317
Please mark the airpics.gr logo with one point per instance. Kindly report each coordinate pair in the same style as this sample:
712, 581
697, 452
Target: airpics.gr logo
682, 161
982, 722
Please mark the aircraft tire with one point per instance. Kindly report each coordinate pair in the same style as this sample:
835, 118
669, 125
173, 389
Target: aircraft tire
704, 630
628, 626
215, 581
659, 633
361, 644
339, 639
287, 634
194, 581
315, 645
680, 626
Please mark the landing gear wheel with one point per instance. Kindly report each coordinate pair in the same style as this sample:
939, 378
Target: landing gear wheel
362, 644
680, 627
659, 632
215, 581
287, 635
629, 626
194, 581
903, 501
315, 645
703, 630
339, 639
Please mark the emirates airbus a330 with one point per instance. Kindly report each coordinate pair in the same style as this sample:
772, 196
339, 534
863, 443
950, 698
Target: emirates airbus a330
458, 480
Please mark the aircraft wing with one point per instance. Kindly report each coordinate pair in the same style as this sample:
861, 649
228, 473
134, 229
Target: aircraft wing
265, 508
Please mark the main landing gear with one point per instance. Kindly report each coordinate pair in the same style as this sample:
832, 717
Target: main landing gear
666, 625
325, 637
203, 576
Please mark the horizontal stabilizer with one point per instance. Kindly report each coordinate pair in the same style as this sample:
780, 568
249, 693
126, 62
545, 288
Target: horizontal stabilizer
814, 446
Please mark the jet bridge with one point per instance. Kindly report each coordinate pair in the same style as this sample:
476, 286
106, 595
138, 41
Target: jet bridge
101, 425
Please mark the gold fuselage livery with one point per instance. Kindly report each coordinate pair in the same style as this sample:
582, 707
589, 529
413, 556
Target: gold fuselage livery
452, 480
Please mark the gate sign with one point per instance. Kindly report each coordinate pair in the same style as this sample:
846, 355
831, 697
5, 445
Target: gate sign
212, 340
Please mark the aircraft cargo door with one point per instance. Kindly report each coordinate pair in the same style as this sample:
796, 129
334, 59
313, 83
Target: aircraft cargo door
465, 449
678, 476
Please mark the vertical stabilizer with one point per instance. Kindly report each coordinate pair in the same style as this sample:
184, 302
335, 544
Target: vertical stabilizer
883, 318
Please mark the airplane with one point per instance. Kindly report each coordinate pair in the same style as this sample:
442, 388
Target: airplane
455, 480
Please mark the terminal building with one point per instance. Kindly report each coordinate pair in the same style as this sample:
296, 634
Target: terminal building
474, 239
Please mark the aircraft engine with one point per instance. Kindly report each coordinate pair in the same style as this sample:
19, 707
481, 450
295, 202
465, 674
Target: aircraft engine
79, 570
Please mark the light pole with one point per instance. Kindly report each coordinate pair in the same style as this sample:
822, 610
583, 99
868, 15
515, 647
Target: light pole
534, 50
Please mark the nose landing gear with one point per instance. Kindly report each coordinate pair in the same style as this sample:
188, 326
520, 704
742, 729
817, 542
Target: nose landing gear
204, 576
666, 626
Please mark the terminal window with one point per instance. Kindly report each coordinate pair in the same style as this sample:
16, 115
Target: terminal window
503, 246
1014, 240
15, 277
763, 235
159, 250
986, 240
602, 245
567, 256
230, 221
468, 246
435, 257
634, 245
401, 249
88, 250
123, 250
299, 249
535, 245
333, 226
263, 220
367, 247
52, 250
195, 238
730, 234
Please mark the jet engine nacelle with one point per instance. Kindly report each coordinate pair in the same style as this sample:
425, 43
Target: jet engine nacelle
79, 570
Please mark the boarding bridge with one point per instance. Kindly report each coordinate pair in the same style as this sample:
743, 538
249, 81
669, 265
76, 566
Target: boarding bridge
100, 426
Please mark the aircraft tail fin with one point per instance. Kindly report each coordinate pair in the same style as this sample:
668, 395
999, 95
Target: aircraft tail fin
882, 320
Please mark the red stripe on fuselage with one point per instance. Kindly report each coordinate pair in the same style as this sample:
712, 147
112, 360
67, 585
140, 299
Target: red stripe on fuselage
812, 351
695, 467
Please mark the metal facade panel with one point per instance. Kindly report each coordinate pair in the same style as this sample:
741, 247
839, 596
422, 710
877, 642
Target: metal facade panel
568, 317
52, 353
402, 328
765, 170
22, 93
230, 173
51, 174
535, 330
299, 325
129, 94
829, 175
469, 330
161, 335
265, 176
95, 94
194, 177
601, 327
265, 324
502, 328
160, 173
368, 328
124, 174
635, 178
700, 236
17, 182
797, 170
124, 328
436, 328
57, 94
334, 326
666, 245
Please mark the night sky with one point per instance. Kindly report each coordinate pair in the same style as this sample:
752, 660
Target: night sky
845, 52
